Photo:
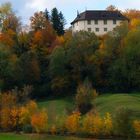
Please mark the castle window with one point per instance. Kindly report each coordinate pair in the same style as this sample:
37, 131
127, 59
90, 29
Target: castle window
97, 29
89, 22
89, 29
105, 29
105, 22
96, 21
114, 21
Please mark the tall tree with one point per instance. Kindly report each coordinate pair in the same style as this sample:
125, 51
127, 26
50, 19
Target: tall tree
62, 23
38, 21
47, 14
11, 22
58, 21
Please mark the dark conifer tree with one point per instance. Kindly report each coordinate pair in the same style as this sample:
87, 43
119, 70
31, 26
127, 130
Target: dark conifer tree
58, 21
47, 14
62, 23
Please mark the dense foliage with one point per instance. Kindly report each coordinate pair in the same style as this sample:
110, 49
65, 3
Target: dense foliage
55, 64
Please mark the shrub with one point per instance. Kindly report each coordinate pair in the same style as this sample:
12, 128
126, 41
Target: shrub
39, 121
5, 119
14, 118
27, 128
72, 122
108, 126
92, 125
85, 96
24, 116
136, 125
53, 130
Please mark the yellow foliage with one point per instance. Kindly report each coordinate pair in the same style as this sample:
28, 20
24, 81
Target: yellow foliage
39, 121
24, 116
136, 126
32, 106
14, 116
72, 122
92, 124
135, 23
107, 124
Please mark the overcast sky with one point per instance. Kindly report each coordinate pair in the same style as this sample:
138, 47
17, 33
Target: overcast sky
26, 8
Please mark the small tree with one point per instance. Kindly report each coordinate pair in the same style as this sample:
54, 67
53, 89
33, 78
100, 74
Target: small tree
85, 96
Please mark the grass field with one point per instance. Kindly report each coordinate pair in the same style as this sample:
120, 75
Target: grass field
104, 103
11, 136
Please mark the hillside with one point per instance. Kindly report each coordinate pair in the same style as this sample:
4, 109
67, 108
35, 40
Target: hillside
104, 103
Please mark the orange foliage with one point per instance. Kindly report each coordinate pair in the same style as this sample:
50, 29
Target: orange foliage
5, 118
7, 38
38, 37
32, 106
39, 121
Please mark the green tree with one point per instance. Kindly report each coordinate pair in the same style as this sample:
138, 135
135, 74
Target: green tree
58, 21
81, 50
125, 71
7, 67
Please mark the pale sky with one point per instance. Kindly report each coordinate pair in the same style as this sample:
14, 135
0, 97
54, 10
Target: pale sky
26, 8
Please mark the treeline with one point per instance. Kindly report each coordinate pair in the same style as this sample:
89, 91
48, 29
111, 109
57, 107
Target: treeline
54, 62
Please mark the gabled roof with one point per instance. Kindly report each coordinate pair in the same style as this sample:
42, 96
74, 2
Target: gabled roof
99, 15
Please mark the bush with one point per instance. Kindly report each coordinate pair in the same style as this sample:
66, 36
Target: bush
85, 96
73, 122
27, 128
39, 121
108, 125
136, 125
92, 125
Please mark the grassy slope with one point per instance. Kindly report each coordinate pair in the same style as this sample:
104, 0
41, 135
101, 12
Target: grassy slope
104, 103
57, 108
109, 103
12, 136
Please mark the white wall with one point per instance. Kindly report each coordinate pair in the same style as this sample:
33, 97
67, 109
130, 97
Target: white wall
83, 25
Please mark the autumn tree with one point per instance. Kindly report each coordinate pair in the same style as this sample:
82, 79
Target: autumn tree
111, 8
11, 22
38, 21
132, 13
